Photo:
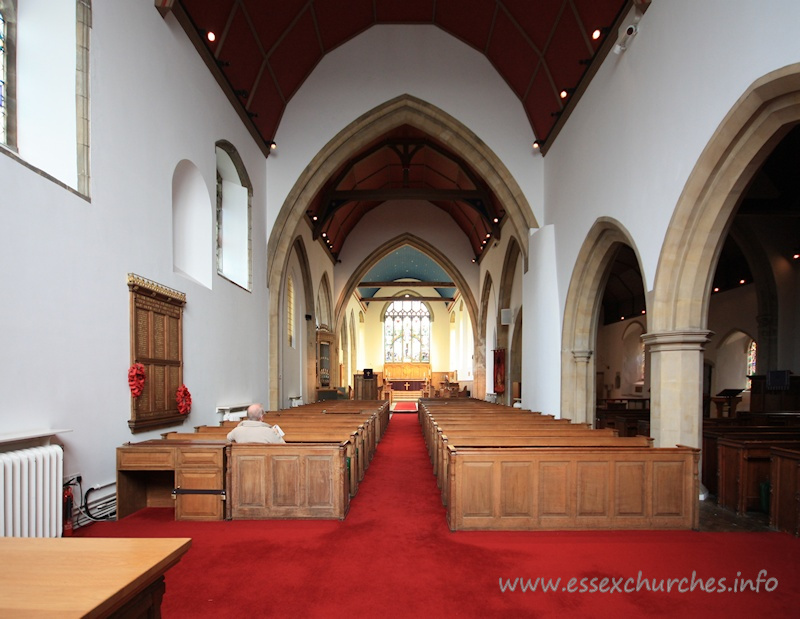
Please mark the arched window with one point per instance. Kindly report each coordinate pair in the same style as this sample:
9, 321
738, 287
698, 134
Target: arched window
290, 310
3, 91
752, 351
234, 195
407, 332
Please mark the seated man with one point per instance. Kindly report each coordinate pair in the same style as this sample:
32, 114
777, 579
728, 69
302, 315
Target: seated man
253, 430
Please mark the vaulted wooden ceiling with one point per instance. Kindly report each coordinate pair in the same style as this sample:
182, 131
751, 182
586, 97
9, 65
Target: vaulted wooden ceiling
263, 50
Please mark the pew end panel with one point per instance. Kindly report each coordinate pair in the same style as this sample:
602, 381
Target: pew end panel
292, 480
507, 489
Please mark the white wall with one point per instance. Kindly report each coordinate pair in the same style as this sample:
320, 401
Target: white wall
422, 61
635, 135
541, 332
65, 308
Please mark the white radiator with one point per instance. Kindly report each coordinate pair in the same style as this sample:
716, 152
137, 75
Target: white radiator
31, 492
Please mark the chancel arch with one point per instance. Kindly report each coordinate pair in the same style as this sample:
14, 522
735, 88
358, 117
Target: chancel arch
432, 252
401, 111
758, 121
582, 316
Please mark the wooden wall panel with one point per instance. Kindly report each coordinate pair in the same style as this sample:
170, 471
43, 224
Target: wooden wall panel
479, 489
286, 481
668, 488
553, 483
593, 488
319, 481
630, 485
516, 489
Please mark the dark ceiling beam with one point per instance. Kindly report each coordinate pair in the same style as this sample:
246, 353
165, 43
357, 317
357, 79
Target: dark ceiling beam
405, 149
401, 284
429, 299
193, 32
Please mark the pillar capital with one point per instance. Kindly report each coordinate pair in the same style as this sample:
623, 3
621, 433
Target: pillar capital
685, 339
582, 356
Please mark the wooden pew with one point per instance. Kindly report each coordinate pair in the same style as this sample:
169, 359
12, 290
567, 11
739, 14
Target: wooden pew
572, 488
784, 513
744, 464
713, 432
287, 481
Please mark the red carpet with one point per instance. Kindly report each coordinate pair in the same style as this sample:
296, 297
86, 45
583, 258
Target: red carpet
405, 407
395, 557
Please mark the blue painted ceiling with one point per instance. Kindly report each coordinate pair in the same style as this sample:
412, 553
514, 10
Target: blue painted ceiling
406, 263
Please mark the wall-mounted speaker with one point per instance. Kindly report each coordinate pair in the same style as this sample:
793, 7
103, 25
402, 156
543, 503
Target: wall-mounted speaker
506, 317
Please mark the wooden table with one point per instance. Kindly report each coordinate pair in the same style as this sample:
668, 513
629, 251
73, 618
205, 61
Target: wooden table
85, 577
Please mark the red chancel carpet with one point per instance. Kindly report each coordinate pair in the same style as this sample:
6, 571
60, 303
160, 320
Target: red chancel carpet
404, 407
393, 556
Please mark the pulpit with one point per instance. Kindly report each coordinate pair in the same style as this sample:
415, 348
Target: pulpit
366, 388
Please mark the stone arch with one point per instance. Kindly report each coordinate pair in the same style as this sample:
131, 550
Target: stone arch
581, 316
310, 340
437, 256
481, 343
504, 292
703, 214
402, 110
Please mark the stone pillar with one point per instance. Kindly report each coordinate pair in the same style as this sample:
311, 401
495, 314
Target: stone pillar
584, 401
676, 386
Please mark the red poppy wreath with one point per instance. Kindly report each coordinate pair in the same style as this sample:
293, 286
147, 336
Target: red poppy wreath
136, 378
184, 400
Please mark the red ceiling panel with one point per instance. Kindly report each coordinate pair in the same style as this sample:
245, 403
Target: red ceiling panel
240, 50
267, 105
337, 24
468, 20
272, 19
567, 47
404, 11
511, 54
536, 17
209, 14
541, 103
296, 55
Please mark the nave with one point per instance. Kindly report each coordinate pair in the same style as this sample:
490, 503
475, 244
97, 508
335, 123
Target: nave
393, 556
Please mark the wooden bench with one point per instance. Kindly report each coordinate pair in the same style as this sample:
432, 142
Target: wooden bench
744, 464
288, 481
784, 513
560, 488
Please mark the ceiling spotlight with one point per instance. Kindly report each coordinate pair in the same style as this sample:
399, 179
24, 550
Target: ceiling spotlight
324, 234
566, 92
488, 235
596, 34
716, 288
473, 260
273, 146
796, 257
644, 311
211, 36
314, 218
495, 220
537, 144
741, 281
622, 317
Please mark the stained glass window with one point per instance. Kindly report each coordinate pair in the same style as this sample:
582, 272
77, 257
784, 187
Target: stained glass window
751, 360
290, 309
2, 80
407, 332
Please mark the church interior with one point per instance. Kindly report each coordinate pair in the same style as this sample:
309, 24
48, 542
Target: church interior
587, 211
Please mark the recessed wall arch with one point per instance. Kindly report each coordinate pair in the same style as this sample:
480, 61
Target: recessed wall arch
581, 316
309, 339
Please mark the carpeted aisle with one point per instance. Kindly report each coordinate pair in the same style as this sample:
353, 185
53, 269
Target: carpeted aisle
394, 556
